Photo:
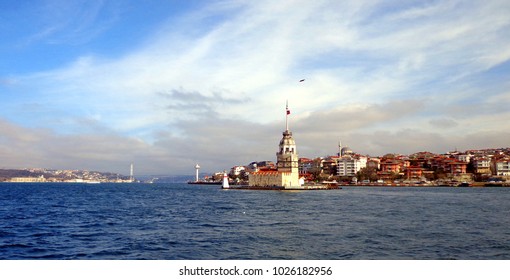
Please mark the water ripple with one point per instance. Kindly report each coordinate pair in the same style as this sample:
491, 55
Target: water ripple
177, 221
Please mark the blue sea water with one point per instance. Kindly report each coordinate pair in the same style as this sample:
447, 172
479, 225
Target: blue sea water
180, 221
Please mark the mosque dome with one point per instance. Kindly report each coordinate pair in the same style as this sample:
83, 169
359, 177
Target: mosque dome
346, 151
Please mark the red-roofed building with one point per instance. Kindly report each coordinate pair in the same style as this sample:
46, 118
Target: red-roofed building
414, 172
391, 165
454, 166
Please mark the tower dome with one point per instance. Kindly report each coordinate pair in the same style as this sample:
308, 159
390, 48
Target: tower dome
287, 139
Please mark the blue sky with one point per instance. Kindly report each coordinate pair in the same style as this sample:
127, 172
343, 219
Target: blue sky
166, 84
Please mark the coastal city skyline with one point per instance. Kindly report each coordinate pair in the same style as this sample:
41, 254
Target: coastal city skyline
96, 85
470, 156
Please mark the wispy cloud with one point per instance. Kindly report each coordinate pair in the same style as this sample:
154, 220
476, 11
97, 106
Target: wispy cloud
72, 22
189, 104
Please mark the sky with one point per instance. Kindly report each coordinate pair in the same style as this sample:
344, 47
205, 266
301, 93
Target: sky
163, 84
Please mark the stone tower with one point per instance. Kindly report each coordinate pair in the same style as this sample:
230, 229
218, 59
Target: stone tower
287, 175
287, 156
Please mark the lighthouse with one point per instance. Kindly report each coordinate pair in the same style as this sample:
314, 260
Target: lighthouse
197, 167
131, 174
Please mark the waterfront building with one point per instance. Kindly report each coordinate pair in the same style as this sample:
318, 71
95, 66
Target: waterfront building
465, 157
437, 162
349, 164
421, 159
28, 179
374, 163
482, 165
287, 168
237, 170
306, 165
454, 167
501, 166
260, 165
330, 165
414, 172
391, 165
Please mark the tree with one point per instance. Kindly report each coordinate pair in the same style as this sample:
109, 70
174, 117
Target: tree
367, 173
440, 174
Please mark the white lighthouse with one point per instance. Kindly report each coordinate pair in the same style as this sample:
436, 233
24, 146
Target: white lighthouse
197, 167
131, 174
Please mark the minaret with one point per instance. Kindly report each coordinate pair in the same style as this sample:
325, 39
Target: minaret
197, 167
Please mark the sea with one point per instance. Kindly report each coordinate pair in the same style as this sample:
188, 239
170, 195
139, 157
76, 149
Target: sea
173, 221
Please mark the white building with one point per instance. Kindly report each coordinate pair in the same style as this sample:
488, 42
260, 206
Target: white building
501, 167
464, 157
28, 179
482, 165
236, 170
349, 165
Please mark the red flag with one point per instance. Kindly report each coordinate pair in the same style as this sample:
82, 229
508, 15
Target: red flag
288, 111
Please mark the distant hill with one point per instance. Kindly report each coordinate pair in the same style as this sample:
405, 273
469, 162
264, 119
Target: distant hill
7, 174
59, 175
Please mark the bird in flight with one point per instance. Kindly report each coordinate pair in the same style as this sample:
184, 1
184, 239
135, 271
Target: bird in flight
302, 80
